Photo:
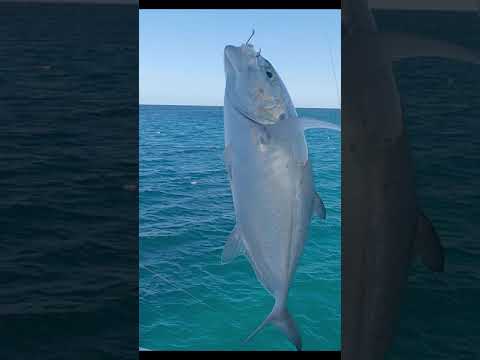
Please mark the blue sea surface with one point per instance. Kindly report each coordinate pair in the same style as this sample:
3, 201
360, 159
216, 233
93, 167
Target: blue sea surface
441, 102
68, 131
188, 300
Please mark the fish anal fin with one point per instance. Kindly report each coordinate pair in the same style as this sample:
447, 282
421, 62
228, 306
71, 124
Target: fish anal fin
233, 247
319, 206
427, 244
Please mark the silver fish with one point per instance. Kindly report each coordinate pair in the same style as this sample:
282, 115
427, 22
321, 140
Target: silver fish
271, 180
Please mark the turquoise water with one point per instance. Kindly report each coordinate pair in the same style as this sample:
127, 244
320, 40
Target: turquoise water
188, 300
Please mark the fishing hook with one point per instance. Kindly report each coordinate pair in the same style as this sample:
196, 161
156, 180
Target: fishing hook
253, 32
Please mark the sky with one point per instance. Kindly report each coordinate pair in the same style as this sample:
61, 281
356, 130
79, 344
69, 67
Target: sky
181, 53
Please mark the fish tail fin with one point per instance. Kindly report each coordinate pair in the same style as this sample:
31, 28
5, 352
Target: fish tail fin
281, 318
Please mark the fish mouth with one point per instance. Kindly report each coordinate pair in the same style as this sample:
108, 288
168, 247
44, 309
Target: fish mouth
239, 56
232, 54
234, 59
229, 69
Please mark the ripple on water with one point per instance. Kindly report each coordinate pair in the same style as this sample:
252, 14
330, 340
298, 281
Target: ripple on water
186, 214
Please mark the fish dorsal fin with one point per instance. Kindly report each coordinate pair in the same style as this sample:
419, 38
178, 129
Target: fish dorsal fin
313, 123
233, 247
401, 45
319, 206
427, 244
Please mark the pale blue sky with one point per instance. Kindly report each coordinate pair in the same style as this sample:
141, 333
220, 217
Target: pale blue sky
181, 53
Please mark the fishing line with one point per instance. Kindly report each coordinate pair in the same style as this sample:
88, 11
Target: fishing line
333, 68
253, 33
178, 288
185, 291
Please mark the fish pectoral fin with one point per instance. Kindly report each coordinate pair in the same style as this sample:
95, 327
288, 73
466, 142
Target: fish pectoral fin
319, 206
227, 158
427, 244
401, 45
233, 247
313, 123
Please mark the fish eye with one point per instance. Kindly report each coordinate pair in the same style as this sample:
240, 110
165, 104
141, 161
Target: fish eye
269, 74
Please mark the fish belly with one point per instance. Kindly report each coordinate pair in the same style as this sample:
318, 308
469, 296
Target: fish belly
269, 202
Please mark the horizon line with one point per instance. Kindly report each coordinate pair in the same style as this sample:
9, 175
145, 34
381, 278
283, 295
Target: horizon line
297, 107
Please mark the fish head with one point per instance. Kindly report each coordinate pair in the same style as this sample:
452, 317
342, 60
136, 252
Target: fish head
254, 87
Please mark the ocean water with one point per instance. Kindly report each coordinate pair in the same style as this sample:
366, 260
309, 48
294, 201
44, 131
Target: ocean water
188, 300
439, 317
69, 224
